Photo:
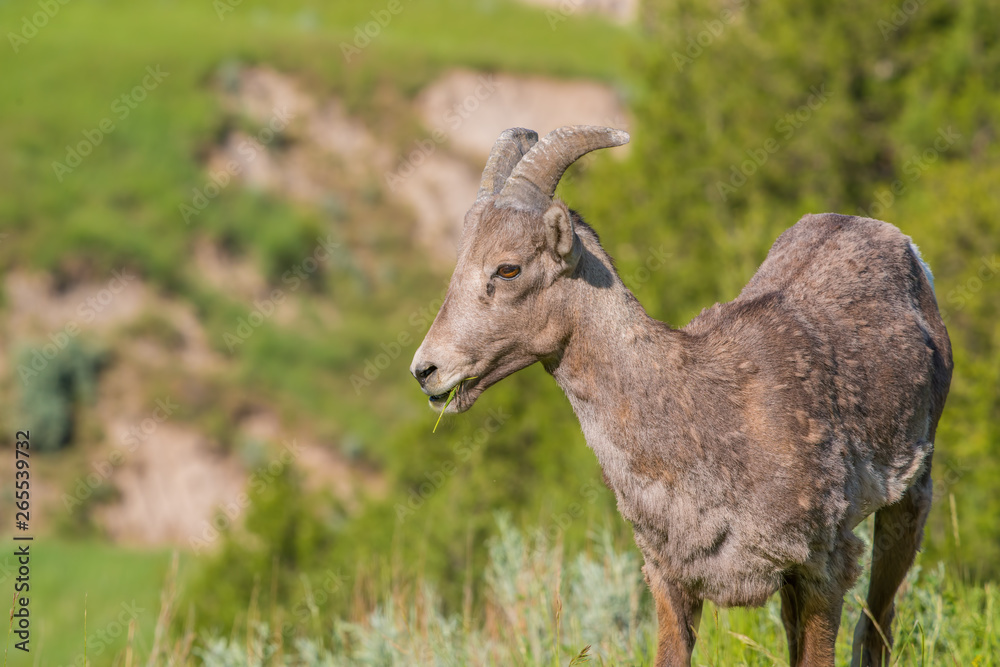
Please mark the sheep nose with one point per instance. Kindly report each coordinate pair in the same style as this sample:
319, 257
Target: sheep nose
423, 372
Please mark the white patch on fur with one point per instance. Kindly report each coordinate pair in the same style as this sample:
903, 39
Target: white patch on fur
871, 492
923, 264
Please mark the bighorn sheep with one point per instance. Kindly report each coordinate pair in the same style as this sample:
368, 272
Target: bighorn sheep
744, 447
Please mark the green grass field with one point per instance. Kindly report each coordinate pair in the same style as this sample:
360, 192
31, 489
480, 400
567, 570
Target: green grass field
113, 585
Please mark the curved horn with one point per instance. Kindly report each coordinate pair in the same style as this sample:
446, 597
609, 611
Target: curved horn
534, 180
508, 150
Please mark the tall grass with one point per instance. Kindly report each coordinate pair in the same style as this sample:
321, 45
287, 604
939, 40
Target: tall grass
544, 608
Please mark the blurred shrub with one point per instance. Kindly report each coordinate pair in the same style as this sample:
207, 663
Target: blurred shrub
52, 388
594, 609
544, 612
283, 535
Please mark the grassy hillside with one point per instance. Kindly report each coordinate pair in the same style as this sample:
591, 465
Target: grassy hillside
118, 209
87, 590
898, 123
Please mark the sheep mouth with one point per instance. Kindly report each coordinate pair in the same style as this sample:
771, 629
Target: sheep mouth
472, 387
464, 396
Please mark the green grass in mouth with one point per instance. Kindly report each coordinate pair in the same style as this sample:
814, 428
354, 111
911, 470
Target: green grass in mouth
451, 395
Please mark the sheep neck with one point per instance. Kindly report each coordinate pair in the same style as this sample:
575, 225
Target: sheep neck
617, 365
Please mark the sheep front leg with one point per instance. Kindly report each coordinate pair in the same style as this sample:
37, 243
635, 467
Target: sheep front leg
678, 615
819, 633
812, 619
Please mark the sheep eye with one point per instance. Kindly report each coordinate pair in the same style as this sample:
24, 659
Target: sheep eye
508, 271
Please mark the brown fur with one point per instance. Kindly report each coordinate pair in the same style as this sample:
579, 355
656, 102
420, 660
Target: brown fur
745, 446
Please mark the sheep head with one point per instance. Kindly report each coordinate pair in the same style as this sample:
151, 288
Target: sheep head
518, 253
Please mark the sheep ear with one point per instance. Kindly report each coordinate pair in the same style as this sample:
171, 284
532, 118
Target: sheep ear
560, 235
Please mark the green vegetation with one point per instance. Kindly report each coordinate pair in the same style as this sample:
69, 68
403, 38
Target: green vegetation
781, 108
546, 608
58, 381
115, 585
